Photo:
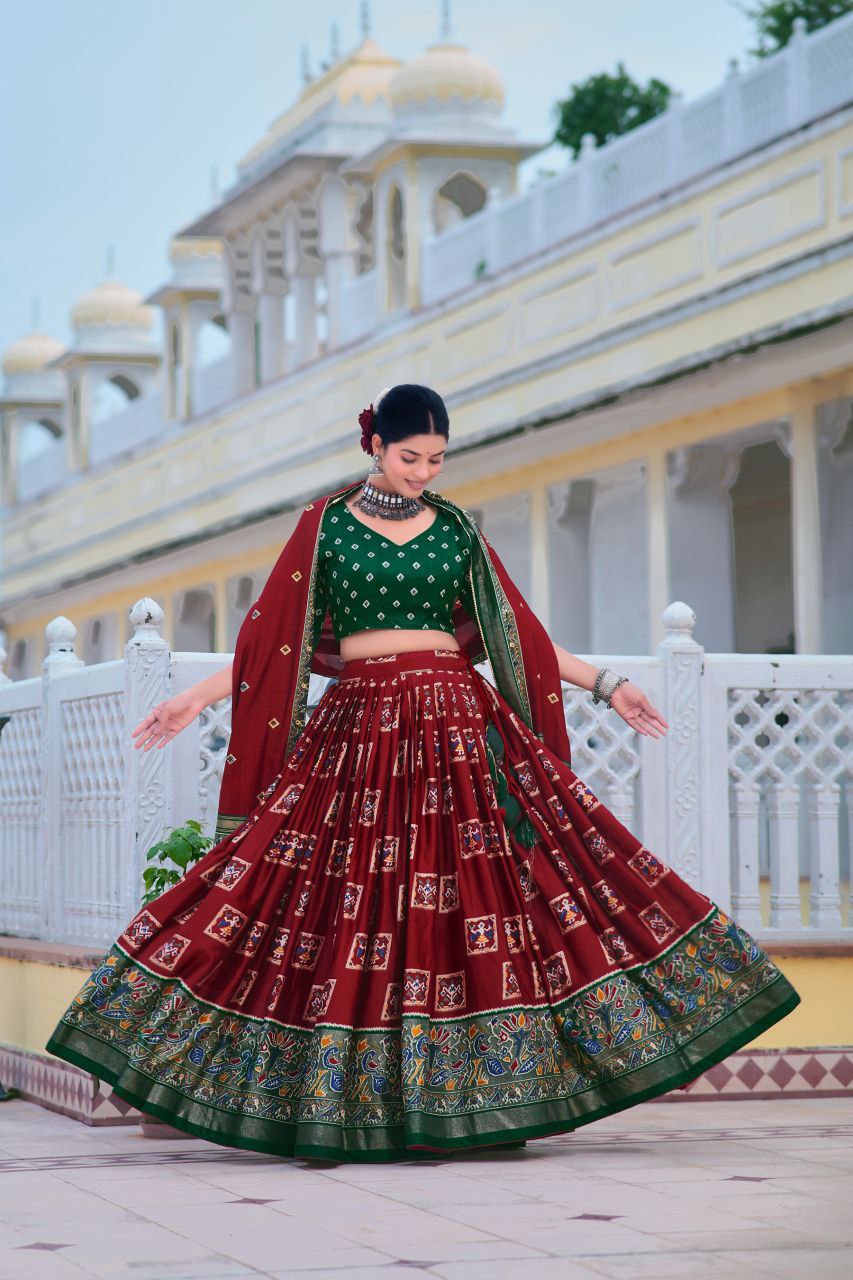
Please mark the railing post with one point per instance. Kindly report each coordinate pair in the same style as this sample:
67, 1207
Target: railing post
732, 124
61, 660
798, 89
674, 159
824, 890
537, 216
682, 659
148, 774
586, 176
492, 238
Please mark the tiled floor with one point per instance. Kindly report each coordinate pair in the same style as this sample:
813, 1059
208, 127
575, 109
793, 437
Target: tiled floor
732, 1190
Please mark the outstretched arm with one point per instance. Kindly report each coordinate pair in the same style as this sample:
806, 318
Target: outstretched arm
628, 699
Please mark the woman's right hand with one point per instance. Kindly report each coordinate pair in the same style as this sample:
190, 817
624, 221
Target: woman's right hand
166, 719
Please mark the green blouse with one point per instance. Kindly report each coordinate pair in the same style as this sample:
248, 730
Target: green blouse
370, 582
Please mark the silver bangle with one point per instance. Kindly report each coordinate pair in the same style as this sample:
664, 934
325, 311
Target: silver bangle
606, 683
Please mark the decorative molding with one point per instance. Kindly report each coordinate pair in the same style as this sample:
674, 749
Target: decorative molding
845, 207
722, 259
662, 241
58, 1086
752, 1074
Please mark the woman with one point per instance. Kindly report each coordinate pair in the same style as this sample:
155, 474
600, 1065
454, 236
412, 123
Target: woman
418, 931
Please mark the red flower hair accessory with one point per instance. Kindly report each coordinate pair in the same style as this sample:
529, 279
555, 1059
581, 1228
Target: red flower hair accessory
366, 419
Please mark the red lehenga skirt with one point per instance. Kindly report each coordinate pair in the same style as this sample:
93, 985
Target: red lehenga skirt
383, 962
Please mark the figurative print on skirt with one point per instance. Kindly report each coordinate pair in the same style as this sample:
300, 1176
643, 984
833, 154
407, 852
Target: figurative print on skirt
374, 965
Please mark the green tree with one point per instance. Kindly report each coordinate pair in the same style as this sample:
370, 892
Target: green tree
774, 20
607, 106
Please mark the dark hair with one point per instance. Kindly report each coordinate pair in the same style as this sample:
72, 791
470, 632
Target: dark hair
405, 410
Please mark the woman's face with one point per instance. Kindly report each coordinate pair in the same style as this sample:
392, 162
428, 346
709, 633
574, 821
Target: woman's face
409, 465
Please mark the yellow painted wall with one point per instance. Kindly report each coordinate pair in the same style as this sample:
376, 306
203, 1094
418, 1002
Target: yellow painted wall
825, 1015
34, 995
32, 998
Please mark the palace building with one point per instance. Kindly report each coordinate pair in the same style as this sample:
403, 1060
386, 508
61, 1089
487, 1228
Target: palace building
647, 359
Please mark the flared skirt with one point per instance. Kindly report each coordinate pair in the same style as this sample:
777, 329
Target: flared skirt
428, 935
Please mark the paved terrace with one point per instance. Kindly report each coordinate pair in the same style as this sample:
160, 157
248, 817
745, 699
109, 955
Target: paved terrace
733, 1190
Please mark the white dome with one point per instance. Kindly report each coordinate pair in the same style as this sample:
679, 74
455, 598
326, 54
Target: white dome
112, 304
443, 73
31, 353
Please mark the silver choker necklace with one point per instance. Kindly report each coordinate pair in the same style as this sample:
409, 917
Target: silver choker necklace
391, 506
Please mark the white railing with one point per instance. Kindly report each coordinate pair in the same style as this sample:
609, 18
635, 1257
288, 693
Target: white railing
744, 795
139, 421
214, 384
43, 470
810, 77
359, 305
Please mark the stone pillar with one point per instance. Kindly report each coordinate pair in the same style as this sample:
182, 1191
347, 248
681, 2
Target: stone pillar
238, 303
540, 571
700, 550
338, 248
305, 342
798, 437
241, 327
835, 433
148, 774
61, 660
506, 523
658, 541
570, 503
271, 317
412, 262
8, 458
618, 542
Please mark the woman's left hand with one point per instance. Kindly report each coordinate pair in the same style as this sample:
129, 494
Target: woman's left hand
636, 710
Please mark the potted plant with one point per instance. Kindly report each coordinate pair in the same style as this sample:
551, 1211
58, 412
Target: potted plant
181, 848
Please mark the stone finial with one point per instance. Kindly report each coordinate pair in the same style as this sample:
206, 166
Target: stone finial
60, 634
147, 618
679, 620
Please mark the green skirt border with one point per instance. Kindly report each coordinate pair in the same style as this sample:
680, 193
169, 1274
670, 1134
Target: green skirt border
505, 1125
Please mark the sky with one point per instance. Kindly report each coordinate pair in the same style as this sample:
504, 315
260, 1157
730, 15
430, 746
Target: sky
113, 115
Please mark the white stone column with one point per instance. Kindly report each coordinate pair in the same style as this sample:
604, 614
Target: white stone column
241, 328
657, 526
338, 247
799, 440
540, 589
8, 457
238, 303
305, 344
835, 422
61, 660
570, 502
618, 555
506, 523
700, 551
79, 415
271, 317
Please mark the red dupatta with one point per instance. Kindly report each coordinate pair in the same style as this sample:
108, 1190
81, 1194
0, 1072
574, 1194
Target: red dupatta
287, 634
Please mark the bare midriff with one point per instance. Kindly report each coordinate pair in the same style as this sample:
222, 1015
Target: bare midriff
379, 641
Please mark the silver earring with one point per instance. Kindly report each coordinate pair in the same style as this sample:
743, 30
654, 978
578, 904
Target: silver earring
375, 466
